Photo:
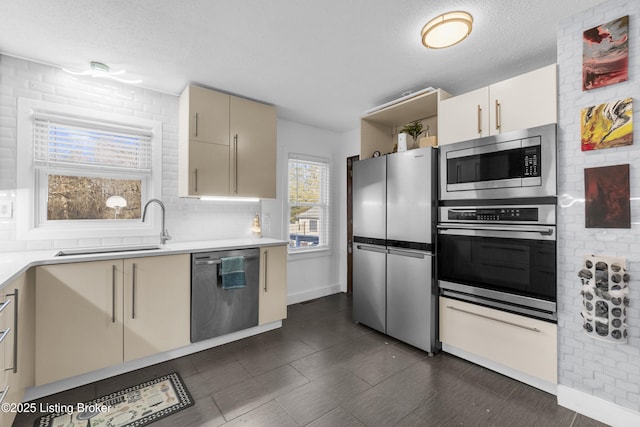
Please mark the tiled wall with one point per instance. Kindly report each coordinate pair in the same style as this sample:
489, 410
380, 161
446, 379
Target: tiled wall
186, 219
602, 369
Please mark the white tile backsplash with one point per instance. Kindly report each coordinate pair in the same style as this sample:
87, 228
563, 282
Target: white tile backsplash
187, 219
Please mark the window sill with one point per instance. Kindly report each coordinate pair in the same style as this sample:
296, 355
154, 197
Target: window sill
309, 253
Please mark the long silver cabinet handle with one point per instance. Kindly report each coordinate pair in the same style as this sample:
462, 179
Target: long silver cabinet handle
235, 182
4, 394
4, 335
113, 294
4, 305
498, 124
529, 328
16, 318
479, 119
133, 292
266, 259
196, 181
196, 130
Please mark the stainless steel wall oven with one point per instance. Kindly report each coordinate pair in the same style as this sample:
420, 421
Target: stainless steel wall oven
502, 256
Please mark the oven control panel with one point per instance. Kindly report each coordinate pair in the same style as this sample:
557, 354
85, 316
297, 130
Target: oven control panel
493, 214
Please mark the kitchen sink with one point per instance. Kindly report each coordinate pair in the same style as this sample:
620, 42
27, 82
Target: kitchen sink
107, 249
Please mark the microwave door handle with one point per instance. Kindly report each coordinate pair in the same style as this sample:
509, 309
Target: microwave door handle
495, 147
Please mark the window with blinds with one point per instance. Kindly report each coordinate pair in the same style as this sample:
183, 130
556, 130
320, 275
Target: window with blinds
90, 170
62, 141
309, 206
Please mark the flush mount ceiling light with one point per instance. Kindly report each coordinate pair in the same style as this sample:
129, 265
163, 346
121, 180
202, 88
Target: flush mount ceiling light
102, 71
446, 30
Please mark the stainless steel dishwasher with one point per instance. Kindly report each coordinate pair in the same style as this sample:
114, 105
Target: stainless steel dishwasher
217, 311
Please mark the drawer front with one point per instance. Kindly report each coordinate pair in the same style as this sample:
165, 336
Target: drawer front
521, 343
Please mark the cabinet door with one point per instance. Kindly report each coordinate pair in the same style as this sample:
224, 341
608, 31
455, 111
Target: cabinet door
253, 151
21, 376
156, 304
524, 101
521, 343
79, 318
209, 169
273, 284
463, 117
208, 116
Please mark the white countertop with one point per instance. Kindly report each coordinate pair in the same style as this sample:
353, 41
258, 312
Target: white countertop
14, 263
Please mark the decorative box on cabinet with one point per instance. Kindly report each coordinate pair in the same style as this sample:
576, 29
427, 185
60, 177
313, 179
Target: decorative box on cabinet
522, 102
227, 145
520, 343
96, 314
273, 284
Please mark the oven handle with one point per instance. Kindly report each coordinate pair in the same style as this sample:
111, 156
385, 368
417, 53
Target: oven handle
494, 319
543, 231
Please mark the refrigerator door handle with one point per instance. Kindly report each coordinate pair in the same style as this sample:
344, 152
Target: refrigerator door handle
381, 249
408, 253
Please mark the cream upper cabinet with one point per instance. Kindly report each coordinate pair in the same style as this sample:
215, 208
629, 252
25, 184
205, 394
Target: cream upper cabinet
273, 284
227, 145
157, 304
209, 169
253, 149
524, 101
79, 318
207, 114
96, 314
463, 117
521, 102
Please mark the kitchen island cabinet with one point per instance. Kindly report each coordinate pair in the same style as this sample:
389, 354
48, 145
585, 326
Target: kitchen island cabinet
227, 145
273, 284
96, 314
18, 346
522, 102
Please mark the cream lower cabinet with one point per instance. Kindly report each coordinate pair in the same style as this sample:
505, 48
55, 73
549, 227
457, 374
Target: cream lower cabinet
520, 343
92, 315
18, 319
522, 102
273, 284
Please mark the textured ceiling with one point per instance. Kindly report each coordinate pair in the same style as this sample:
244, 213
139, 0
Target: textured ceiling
321, 62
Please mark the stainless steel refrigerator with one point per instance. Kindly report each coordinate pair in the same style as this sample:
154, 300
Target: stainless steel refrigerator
393, 233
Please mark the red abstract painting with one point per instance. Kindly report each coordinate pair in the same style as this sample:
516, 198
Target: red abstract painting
607, 203
605, 54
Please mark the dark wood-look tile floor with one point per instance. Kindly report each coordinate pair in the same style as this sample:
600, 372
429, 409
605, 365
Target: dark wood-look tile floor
321, 369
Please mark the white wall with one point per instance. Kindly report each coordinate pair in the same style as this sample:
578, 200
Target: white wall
598, 378
315, 274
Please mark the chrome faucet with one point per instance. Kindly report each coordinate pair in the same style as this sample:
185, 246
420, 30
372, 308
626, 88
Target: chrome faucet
164, 235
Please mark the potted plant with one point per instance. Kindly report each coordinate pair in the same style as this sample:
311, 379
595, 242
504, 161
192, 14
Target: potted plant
415, 130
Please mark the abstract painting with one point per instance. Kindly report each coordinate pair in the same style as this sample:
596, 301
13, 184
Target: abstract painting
605, 54
607, 125
606, 193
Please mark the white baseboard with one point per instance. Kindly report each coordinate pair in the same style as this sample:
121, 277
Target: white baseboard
33, 393
313, 294
504, 370
597, 408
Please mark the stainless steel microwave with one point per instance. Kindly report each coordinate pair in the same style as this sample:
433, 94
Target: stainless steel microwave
520, 164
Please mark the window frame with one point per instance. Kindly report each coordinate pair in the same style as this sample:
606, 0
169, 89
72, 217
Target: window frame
31, 196
325, 207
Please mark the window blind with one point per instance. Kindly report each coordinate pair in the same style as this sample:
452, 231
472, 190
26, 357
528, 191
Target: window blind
62, 141
309, 196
